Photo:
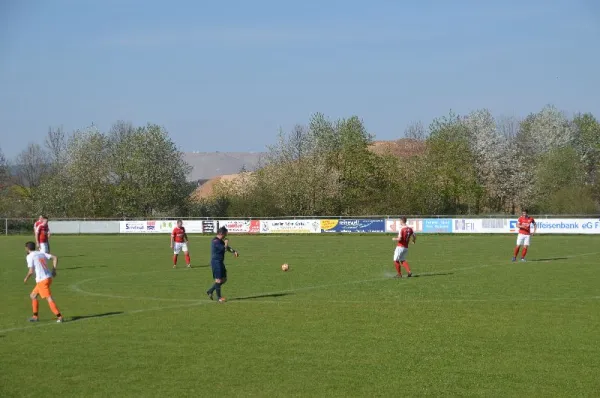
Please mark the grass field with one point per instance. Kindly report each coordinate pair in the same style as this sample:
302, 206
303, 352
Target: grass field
471, 323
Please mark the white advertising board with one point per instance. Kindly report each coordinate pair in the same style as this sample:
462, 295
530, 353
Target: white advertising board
290, 226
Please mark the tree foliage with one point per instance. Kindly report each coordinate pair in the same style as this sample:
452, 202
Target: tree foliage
471, 164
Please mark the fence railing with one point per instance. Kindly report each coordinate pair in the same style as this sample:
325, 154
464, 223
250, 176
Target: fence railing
10, 226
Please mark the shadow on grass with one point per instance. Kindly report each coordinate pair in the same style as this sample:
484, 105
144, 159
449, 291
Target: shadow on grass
433, 274
272, 295
78, 318
78, 267
72, 256
549, 259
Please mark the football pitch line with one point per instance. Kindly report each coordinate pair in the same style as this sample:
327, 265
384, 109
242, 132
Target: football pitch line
188, 303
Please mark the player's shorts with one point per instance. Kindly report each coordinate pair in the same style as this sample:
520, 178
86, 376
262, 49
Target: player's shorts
179, 247
45, 247
42, 288
523, 240
400, 253
219, 271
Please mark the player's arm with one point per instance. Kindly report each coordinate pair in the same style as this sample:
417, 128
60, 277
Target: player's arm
54, 262
396, 238
230, 249
37, 237
534, 227
29, 270
172, 238
414, 238
186, 237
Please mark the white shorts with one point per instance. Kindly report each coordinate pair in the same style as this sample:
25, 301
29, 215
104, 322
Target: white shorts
45, 247
523, 240
400, 253
179, 247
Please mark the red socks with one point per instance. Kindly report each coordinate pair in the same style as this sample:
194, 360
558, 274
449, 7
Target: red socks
188, 260
517, 250
406, 267
174, 259
397, 264
524, 252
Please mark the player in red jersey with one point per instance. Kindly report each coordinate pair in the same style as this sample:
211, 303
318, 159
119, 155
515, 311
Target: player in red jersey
37, 223
42, 236
524, 224
179, 241
404, 237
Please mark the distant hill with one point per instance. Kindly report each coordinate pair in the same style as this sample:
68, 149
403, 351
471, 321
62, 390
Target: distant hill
207, 165
402, 148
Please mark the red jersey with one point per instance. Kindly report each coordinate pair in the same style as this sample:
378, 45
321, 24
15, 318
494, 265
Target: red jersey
525, 222
42, 233
36, 225
404, 236
178, 234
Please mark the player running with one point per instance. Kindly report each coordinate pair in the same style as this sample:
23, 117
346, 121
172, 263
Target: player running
404, 237
218, 247
38, 262
42, 236
179, 241
524, 224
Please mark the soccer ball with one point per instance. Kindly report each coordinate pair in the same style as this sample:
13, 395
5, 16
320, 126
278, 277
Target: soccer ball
285, 267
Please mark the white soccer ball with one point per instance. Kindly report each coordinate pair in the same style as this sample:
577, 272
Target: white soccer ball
285, 267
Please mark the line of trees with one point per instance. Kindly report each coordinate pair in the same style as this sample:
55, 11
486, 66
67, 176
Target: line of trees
471, 164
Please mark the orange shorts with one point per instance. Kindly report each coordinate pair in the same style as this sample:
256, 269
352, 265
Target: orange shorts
42, 288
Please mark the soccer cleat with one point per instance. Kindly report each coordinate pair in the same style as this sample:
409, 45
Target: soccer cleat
210, 295
222, 300
523, 260
60, 320
514, 259
33, 319
189, 265
174, 265
398, 276
410, 274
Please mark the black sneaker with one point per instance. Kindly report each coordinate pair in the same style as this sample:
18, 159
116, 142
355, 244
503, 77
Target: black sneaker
210, 295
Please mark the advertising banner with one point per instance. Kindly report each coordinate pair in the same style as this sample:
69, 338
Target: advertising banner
563, 226
437, 225
353, 225
131, 227
290, 226
241, 226
481, 226
329, 225
393, 225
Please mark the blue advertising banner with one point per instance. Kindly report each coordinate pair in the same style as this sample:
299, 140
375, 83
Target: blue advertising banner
437, 225
353, 225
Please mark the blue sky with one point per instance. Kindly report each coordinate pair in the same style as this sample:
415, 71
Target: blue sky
225, 76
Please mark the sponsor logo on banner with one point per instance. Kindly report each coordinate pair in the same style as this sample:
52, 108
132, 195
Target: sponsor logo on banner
241, 226
150, 225
437, 225
329, 225
133, 226
393, 225
209, 227
563, 226
464, 225
513, 225
364, 225
290, 226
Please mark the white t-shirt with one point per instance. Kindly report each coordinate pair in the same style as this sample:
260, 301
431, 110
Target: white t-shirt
39, 261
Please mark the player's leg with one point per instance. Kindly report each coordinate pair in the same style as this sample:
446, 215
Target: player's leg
216, 277
518, 246
176, 251
405, 263
35, 304
525, 247
188, 260
45, 293
45, 247
397, 255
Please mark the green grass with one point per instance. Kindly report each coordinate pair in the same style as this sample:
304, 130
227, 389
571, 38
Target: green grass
471, 324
